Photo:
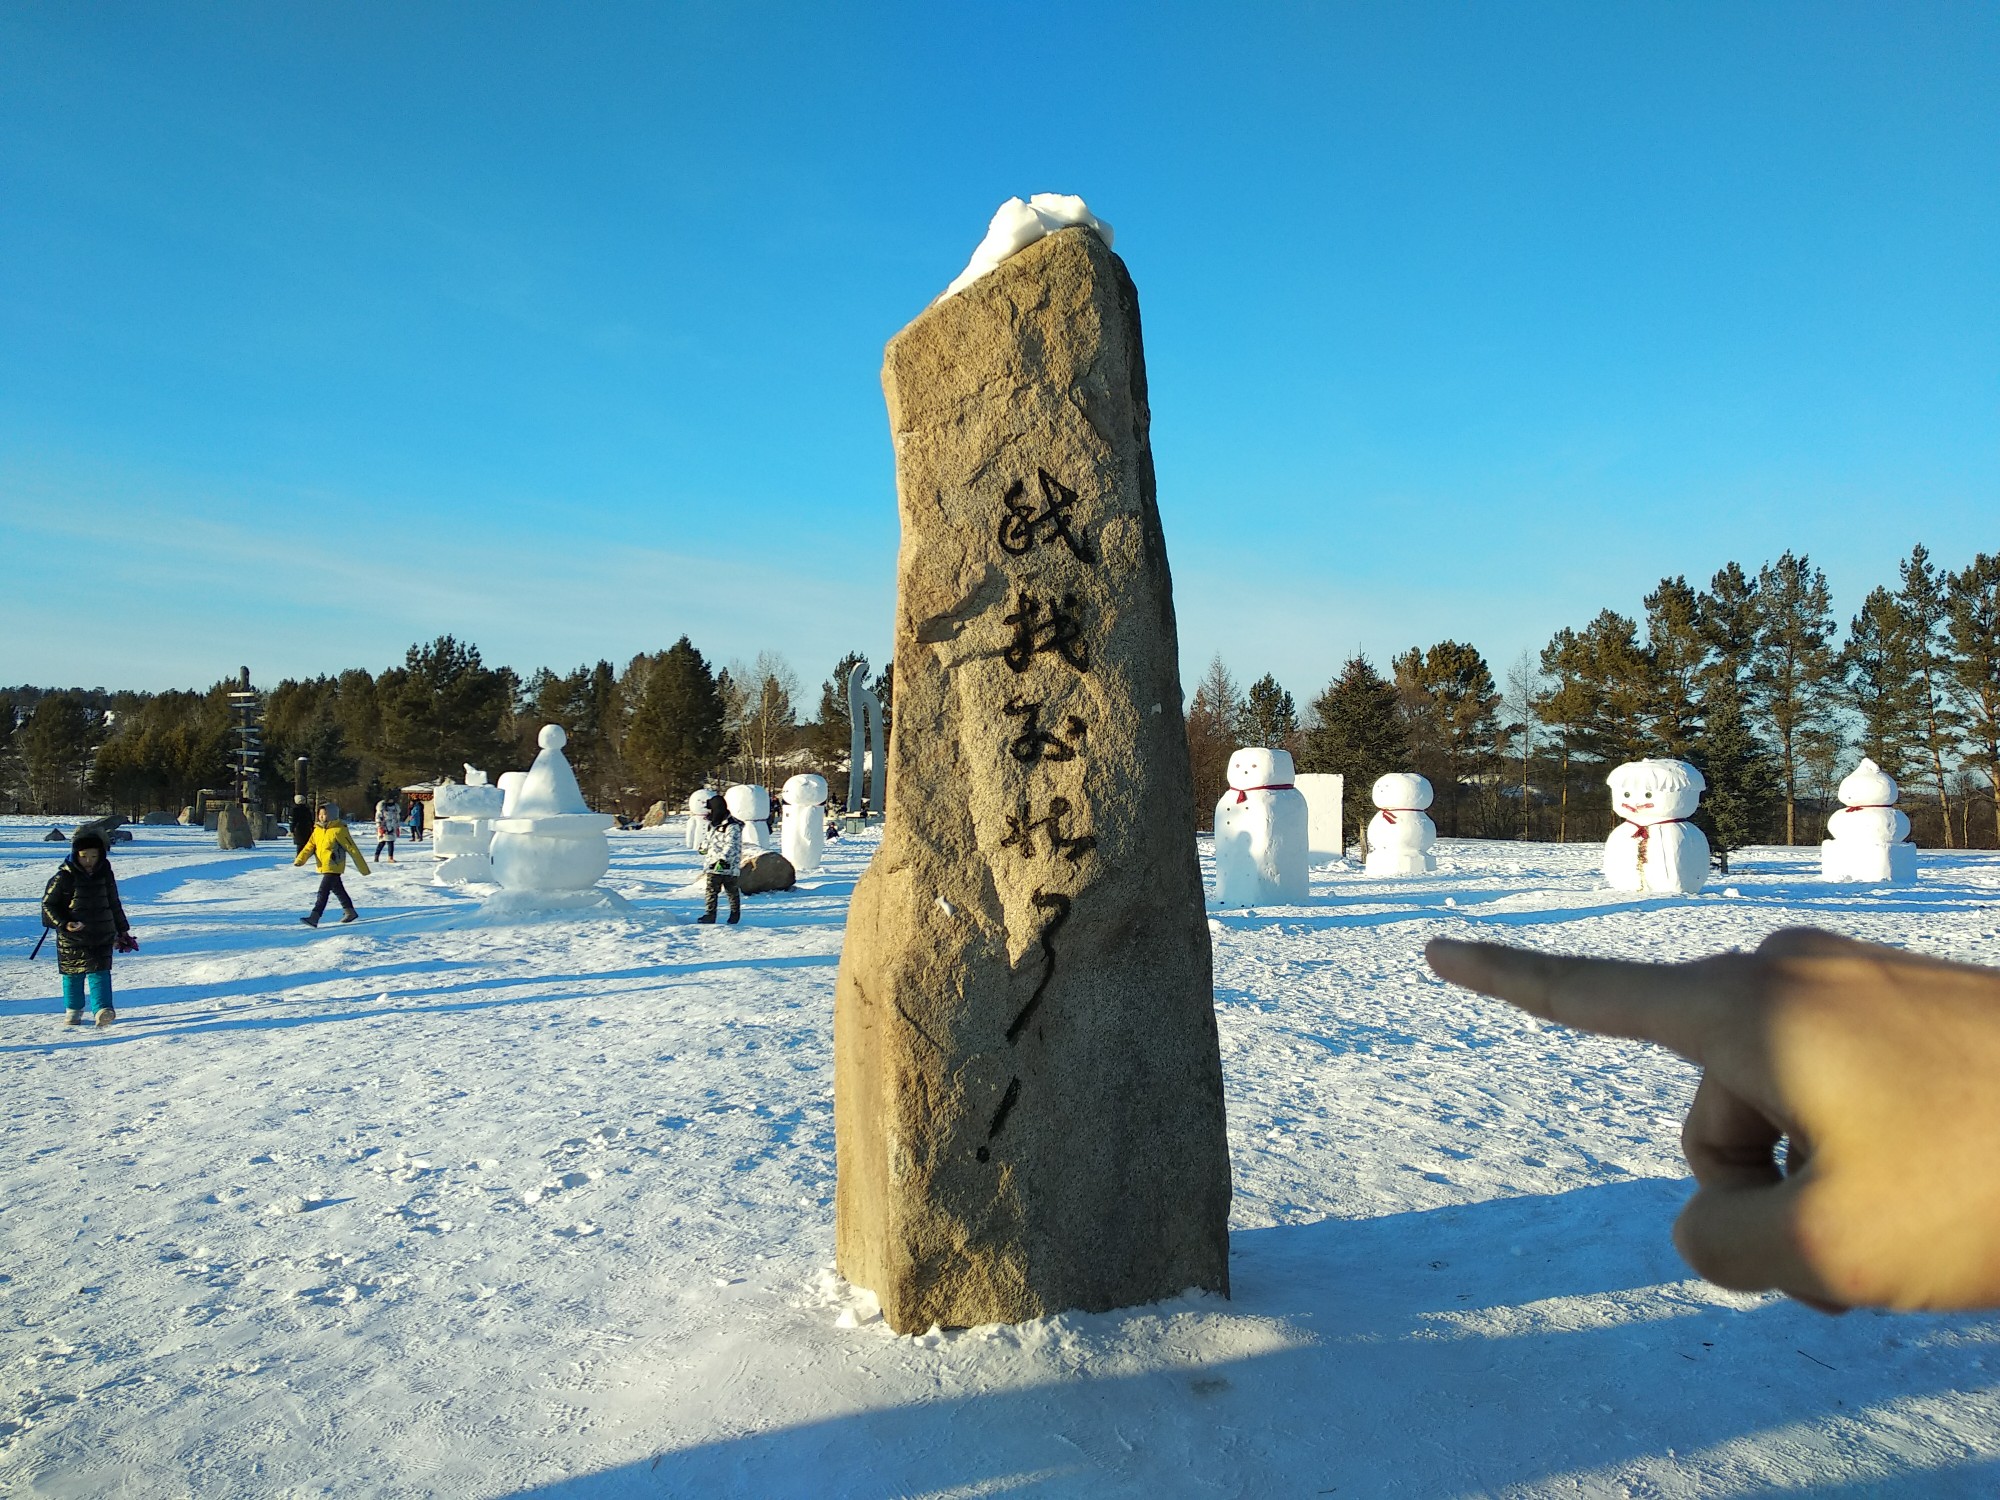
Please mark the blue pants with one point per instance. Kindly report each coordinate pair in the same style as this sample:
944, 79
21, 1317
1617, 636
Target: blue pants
98, 983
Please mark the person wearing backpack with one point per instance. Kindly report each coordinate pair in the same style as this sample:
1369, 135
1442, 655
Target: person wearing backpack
81, 904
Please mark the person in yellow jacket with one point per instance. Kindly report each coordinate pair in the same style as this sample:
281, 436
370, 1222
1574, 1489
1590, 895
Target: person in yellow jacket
331, 844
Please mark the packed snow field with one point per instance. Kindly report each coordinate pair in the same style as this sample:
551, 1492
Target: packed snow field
437, 1205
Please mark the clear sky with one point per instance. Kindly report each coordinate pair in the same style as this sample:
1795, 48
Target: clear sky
329, 328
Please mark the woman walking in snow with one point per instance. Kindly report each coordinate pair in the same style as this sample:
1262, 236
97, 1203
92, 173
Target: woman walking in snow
721, 853
81, 903
331, 844
388, 823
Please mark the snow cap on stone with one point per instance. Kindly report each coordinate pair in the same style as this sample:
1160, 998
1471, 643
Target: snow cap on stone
550, 786
805, 790
1255, 766
748, 804
1655, 791
1868, 785
1017, 225
1402, 791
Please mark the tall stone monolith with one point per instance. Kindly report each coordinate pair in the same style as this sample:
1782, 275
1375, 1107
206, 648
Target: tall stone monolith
1028, 1091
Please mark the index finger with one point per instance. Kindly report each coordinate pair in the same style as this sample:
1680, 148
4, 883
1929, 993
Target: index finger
1675, 1005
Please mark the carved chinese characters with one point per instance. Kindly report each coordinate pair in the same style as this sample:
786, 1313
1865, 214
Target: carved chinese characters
1028, 1099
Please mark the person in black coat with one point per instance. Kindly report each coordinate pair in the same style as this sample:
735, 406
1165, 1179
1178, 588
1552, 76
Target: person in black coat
81, 903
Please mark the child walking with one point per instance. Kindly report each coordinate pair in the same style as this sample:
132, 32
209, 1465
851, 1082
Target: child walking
721, 852
388, 823
331, 844
81, 903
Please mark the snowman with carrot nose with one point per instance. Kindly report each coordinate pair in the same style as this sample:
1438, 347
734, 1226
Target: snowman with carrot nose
1655, 848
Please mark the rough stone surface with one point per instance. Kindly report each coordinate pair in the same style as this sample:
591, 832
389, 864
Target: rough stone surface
767, 872
232, 828
111, 828
657, 814
1028, 1092
158, 819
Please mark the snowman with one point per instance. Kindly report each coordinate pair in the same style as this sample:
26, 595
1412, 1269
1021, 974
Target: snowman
697, 818
751, 806
1261, 850
1654, 847
1401, 833
804, 837
1871, 836
548, 840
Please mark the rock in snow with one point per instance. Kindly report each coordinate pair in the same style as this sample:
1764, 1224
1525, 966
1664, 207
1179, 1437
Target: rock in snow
1028, 1095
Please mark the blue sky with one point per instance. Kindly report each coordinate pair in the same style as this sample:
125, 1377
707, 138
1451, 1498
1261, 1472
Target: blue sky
326, 329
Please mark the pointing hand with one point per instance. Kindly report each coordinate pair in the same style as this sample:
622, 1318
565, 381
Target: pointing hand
1879, 1068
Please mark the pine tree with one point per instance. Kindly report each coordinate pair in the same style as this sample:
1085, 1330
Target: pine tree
675, 735
1564, 708
1921, 594
1880, 679
447, 711
1741, 786
1269, 716
1974, 624
55, 747
1791, 664
1674, 655
1449, 706
1214, 720
1357, 733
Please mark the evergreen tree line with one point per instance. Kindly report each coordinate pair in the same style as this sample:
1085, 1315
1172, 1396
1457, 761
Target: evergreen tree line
1746, 679
664, 725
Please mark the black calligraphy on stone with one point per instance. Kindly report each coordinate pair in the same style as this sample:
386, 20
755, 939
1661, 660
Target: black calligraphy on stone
1023, 526
1056, 627
1035, 743
1021, 831
1057, 906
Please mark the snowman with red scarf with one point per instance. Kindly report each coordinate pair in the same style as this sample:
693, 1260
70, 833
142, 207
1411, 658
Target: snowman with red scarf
1401, 833
1655, 848
1261, 850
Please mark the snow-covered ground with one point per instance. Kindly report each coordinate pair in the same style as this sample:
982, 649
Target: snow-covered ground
431, 1206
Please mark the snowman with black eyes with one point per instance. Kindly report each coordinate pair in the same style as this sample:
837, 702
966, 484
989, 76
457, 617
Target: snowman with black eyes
1655, 848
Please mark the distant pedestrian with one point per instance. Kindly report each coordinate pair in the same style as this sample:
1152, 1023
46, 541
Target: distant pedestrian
416, 821
721, 853
81, 903
331, 844
388, 823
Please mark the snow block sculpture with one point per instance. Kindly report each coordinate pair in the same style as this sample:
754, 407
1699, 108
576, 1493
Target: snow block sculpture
462, 830
1324, 845
1401, 833
697, 815
1028, 1109
1262, 854
549, 841
1871, 835
1655, 848
804, 837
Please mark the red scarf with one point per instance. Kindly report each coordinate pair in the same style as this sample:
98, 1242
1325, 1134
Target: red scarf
1869, 806
1389, 813
1243, 792
1646, 833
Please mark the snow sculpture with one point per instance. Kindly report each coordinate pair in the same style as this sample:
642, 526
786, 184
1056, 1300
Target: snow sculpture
863, 704
1401, 833
804, 837
1655, 848
1260, 832
751, 806
463, 835
1323, 831
1017, 225
1870, 833
549, 841
697, 818
510, 788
